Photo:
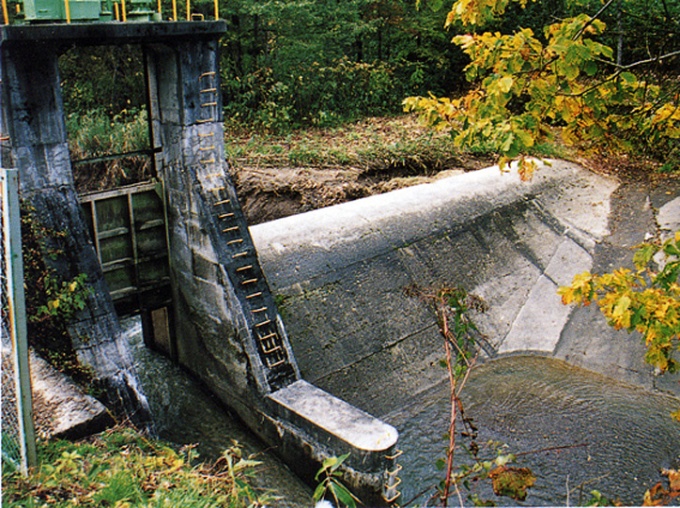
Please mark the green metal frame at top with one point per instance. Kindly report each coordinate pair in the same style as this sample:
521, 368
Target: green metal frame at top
83, 11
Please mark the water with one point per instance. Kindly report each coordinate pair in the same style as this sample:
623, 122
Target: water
602, 434
184, 413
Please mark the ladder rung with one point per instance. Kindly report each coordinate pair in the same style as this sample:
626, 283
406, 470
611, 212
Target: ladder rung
240, 254
254, 295
276, 364
229, 230
206, 74
263, 323
234, 242
226, 215
208, 161
270, 351
257, 311
213, 175
209, 90
206, 148
268, 336
249, 281
205, 120
243, 268
208, 104
222, 202
206, 135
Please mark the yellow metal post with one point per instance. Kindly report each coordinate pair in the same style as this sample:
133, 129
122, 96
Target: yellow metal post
188, 10
174, 10
116, 12
124, 13
67, 6
160, 10
217, 9
4, 12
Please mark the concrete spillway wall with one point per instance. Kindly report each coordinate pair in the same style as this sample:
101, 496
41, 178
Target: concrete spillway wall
340, 274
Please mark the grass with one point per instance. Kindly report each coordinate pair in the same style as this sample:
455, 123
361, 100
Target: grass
120, 467
369, 144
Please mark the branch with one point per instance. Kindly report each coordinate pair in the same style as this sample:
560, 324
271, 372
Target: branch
648, 61
593, 18
619, 70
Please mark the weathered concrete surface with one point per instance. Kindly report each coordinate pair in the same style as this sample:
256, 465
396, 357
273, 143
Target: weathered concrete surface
227, 329
341, 427
61, 409
34, 141
341, 272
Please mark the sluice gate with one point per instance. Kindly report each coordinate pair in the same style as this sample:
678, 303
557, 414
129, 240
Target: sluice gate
223, 322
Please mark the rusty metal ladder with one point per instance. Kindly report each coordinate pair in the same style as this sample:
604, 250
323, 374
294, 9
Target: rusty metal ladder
249, 280
238, 254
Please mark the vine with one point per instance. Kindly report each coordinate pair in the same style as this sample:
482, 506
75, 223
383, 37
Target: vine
51, 302
452, 306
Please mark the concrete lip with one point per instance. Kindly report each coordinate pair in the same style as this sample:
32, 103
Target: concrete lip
305, 402
112, 32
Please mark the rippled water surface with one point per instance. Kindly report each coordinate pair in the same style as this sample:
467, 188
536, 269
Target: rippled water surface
186, 414
603, 434
611, 436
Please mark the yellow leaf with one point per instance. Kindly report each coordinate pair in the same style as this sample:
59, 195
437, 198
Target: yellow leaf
621, 314
505, 84
673, 478
676, 415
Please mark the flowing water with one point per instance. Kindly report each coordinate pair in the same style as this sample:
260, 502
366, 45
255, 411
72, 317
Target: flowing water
583, 431
184, 413
575, 429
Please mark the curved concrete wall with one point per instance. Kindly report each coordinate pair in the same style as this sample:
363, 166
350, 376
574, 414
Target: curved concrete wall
340, 274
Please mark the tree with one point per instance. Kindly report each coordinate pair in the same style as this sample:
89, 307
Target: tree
525, 85
646, 300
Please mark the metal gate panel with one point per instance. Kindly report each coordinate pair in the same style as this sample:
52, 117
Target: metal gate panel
128, 229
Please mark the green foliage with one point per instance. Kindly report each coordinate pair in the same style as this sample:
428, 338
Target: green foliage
598, 499
65, 300
102, 78
294, 63
51, 301
525, 85
95, 133
121, 468
328, 477
646, 300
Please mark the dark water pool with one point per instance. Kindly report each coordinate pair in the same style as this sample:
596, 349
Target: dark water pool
602, 434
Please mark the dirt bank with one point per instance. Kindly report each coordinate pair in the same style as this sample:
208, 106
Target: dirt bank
273, 192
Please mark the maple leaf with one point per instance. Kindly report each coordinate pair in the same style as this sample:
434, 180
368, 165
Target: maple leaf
512, 481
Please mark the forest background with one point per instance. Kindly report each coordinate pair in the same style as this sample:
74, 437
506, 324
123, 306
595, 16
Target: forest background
291, 64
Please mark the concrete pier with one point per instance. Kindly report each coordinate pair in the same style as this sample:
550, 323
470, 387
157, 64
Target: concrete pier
223, 324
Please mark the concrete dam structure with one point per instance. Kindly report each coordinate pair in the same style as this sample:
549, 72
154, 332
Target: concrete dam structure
302, 325
341, 273
223, 323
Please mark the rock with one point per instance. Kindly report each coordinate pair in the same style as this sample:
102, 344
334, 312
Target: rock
60, 408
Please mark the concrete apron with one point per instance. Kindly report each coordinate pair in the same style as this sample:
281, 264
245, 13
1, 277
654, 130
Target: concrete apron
339, 274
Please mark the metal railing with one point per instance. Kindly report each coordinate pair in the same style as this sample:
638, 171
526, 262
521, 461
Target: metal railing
141, 10
16, 423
